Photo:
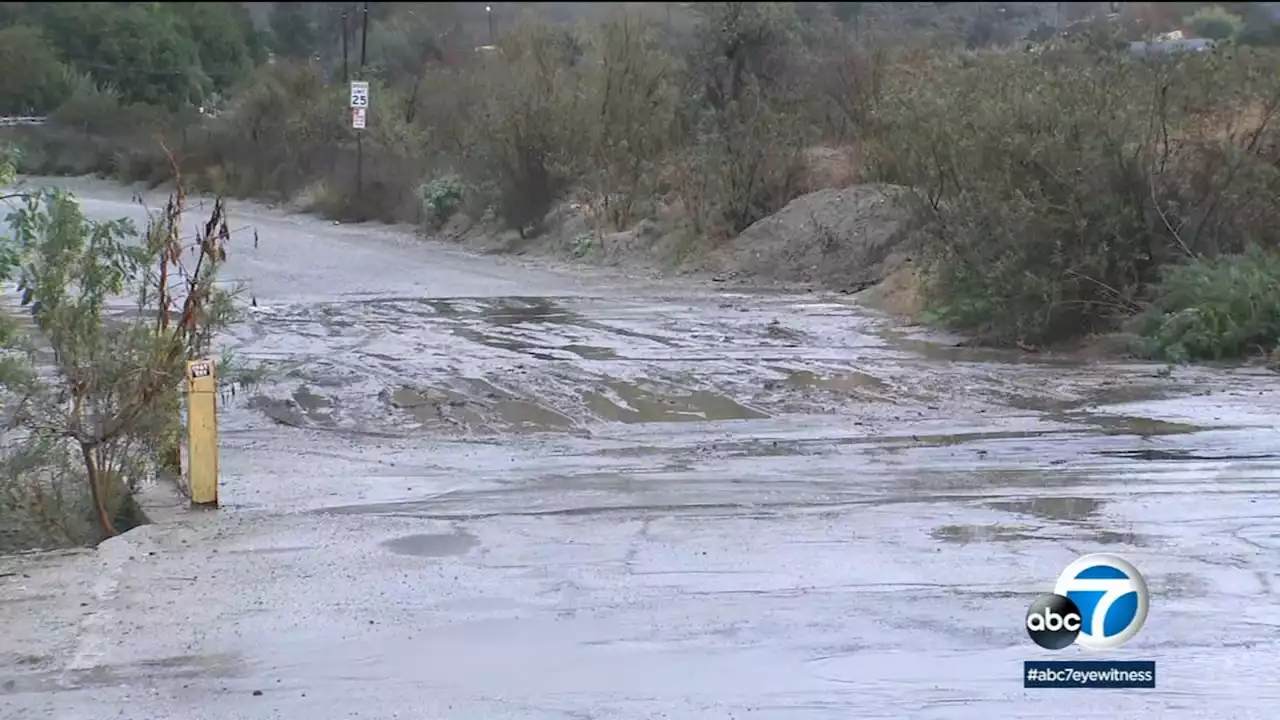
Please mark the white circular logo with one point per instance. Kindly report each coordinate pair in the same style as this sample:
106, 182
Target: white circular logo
1112, 598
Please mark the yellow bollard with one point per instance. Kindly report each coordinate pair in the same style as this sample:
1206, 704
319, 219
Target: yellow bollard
202, 432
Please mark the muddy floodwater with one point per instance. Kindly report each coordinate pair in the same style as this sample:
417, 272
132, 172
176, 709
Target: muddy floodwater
474, 488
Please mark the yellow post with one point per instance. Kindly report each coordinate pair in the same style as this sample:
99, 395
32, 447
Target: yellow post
202, 431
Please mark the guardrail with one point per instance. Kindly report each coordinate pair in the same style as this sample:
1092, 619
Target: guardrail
24, 120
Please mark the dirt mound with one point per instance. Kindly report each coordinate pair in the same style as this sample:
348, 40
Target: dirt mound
845, 239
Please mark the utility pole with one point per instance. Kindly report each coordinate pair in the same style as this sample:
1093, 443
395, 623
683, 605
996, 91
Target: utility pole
364, 44
345, 78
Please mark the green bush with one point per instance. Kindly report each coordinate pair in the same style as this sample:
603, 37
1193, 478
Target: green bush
1215, 23
441, 198
1052, 188
34, 81
1036, 211
1214, 309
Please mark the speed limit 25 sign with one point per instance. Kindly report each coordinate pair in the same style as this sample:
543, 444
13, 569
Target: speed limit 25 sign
360, 94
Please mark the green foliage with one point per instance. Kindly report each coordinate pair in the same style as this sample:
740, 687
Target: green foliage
1214, 309
34, 80
273, 139
524, 141
294, 31
630, 110
111, 398
158, 53
1261, 25
224, 39
441, 198
403, 45
744, 118
1215, 23
43, 503
73, 266
146, 53
9, 158
1048, 195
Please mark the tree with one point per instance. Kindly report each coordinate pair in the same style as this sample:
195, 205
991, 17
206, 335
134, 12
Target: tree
404, 45
1215, 23
34, 81
110, 401
631, 106
746, 68
142, 49
222, 38
294, 32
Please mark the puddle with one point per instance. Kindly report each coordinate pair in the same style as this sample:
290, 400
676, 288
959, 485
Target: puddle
526, 416
432, 545
482, 407
435, 408
540, 351
507, 312
965, 534
1107, 393
1058, 509
509, 344
313, 405
1130, 425
1181, 455
303, 409
628, 403
590, 352
852, 383
1111, 537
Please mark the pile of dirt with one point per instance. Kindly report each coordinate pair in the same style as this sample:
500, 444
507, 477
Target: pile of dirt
845, 239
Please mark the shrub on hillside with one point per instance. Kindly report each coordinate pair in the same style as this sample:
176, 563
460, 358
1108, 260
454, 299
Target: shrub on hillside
525, 143
1214, 309
34, 81
441, 199
278, 134
1215, 23
1053, 187
629, 110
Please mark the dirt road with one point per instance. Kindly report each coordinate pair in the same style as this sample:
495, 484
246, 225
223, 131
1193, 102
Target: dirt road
472, 488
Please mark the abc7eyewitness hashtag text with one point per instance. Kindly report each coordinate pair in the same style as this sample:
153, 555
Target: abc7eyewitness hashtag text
1088, 677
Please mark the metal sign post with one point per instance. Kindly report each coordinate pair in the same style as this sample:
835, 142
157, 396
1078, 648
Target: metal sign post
359, 120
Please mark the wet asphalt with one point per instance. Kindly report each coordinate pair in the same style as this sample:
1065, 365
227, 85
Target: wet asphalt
474, 487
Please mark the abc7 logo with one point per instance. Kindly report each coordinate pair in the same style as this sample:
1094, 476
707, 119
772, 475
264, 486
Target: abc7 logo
1116, 599
1053, 622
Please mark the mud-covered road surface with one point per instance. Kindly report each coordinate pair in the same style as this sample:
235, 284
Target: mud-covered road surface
469, 488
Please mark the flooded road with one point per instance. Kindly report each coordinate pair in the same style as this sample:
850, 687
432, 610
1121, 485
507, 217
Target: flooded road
472, 488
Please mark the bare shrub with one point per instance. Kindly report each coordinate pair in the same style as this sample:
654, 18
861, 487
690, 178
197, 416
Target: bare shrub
383, 185
525, 146
746, 118
631, 97
277, 136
